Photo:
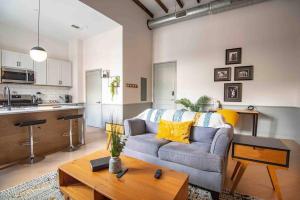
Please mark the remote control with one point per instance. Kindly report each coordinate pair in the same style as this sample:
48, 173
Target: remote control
158, 174
121, 173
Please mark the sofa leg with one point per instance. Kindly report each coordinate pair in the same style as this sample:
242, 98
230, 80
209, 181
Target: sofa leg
215, 195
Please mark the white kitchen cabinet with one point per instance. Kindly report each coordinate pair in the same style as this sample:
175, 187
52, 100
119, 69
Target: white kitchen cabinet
66, 74
25, 61
10, 59
53, 72
16, 60
40, 73
59, 73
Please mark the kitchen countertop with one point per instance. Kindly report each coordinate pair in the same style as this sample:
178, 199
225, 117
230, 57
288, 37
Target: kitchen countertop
43, 108
61, 104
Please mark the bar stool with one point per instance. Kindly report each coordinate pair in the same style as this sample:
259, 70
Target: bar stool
32, 159
70, 135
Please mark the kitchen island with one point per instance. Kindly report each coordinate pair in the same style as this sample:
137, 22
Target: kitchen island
49, 135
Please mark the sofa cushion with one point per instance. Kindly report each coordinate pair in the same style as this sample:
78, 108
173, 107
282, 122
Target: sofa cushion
151, 127
175, 131
203, 134
134, 126
195, 155
146, 143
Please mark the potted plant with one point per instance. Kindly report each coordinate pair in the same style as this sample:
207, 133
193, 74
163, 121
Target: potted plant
116, 147
115, 83
200, 105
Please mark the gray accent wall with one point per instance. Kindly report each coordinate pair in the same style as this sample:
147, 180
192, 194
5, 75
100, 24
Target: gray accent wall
274, 121
112, 112
119, 112
132, 110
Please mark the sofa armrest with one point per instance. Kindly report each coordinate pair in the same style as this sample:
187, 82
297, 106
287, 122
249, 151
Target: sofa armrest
221, 142
134, 127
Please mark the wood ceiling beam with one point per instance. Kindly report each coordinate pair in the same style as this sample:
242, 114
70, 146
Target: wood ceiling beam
162, 5
143, 7
180, 3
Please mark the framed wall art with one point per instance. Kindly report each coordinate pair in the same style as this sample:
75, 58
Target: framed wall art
243, 73
233, 56
222, 74
233, 92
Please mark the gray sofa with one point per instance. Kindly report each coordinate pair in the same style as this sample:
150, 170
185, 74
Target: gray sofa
204, 159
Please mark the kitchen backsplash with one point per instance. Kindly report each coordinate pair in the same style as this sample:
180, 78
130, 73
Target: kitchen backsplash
48, 93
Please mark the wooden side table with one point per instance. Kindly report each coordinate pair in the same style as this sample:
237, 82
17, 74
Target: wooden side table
270, 152
254, 114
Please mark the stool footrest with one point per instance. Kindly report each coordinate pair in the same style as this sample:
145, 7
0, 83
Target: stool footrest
67, 135
27, 143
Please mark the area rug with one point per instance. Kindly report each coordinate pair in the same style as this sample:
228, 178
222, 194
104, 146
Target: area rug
46, 188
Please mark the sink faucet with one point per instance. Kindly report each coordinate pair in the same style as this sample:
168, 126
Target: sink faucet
6, 93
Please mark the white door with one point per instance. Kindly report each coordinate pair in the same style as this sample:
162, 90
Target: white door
93, 98
66, 73
40, 73
164, 84
53, 72
10, 59
25, 61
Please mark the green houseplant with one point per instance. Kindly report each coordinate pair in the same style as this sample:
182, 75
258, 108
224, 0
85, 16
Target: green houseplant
115, 83
199, 106
116, 147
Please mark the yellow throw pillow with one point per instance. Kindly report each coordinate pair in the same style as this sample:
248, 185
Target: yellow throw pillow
230, 116
175, 131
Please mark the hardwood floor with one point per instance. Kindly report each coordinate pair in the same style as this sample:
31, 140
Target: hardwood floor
95, 140
255, 181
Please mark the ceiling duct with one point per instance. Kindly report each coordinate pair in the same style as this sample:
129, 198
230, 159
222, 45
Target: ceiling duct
199, 11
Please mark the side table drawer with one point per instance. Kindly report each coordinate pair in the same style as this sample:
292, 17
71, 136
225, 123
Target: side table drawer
265, 155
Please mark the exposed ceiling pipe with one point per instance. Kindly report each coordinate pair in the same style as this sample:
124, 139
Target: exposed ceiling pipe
199, 11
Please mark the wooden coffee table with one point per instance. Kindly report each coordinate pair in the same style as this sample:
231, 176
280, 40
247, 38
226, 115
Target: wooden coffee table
78, 182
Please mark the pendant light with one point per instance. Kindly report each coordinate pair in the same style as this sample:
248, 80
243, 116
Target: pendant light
38, 53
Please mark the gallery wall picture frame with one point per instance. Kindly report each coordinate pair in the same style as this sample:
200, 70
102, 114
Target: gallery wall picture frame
233, 56
105, 73
233, 92
243, 73
222, 74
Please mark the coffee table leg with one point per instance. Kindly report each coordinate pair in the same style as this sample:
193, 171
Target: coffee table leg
236, 168
274, 180
183, 192
239, 176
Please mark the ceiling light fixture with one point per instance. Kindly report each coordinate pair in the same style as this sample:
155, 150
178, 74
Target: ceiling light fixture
38, 53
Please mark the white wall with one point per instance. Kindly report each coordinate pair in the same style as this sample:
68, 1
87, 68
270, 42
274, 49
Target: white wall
76, 57
137, 43
267, 33
299, 70
105, 51
21, 40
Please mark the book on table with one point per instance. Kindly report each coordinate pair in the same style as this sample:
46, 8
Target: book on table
100, 163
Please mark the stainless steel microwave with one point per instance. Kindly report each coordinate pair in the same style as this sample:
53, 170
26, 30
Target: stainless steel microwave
13, 75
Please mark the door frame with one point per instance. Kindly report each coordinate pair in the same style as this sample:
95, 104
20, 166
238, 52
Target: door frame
94, 70
153, 78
